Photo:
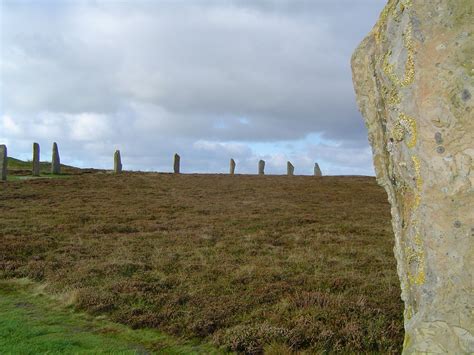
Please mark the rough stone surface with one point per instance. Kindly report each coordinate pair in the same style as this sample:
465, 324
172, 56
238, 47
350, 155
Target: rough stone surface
3, 162
317, 170
117, 162
36, 159
176, 165
232, 167
55, 161
290, 169
261, 167
414, 79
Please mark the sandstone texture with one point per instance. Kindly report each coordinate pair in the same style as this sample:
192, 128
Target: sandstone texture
55, 161
117, 162
36, 160
3, 162
414, 80
317, 170
261, 167
232, 167
176, 165
290, 169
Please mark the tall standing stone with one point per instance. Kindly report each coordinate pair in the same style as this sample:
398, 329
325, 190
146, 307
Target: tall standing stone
176, 165
36, 160
290, 169
261, 167
317, 170
55, 161
3, 162
117, 162
232, 167
413, 77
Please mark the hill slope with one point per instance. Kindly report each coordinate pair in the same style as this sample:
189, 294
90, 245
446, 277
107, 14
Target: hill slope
247, 262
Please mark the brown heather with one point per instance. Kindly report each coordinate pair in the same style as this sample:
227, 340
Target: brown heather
250, 263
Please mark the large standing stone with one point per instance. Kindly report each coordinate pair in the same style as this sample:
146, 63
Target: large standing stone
290, 169
317, 170
36, 160
3, 162
413, 76
232, 167
261, 167
176, 165
117, 162
55, 161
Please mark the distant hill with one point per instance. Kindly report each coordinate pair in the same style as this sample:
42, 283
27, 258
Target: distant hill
20, 167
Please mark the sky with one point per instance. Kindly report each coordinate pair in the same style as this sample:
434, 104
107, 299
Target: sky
208, 79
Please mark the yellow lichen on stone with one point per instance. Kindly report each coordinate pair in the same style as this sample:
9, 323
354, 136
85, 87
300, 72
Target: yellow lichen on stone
398, 132
382, 22
409, 123
416, 255
409, 74
416, 164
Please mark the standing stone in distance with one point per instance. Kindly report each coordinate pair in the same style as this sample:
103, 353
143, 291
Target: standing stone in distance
3, 162
36, 159
261, 167
413, 77
290, 169
232, 167
117, 162
317, 170
55, 161
177, 162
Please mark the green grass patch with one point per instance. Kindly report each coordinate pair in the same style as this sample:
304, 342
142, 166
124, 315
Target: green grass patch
32, 323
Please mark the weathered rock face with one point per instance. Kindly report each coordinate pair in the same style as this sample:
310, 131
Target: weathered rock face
232, 167
261, 167
290, 169
3, 162
55, 161
414, 80
117, 162
177, 162
317, 170
36, 159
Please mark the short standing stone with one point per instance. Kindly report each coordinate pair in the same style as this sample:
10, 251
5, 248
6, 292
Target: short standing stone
177, 162
36, 159
317, 170
3, 162
232, 167
290, 169
117, 162
261, 167
55, 161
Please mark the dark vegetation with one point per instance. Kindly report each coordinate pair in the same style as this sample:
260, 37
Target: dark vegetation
249, 263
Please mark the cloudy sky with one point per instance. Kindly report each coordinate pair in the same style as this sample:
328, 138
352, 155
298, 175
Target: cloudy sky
209, 79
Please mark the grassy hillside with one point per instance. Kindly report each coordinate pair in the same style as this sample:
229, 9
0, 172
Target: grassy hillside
18, 168
248, 263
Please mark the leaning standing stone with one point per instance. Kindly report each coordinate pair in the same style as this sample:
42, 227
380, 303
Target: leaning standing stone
232, 167
261, 167
290, 169
55, 161
36, 159
117, 162
317, 170
177, 162
3, 162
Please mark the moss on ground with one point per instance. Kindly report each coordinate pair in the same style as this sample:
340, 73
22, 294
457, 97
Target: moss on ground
32, 323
